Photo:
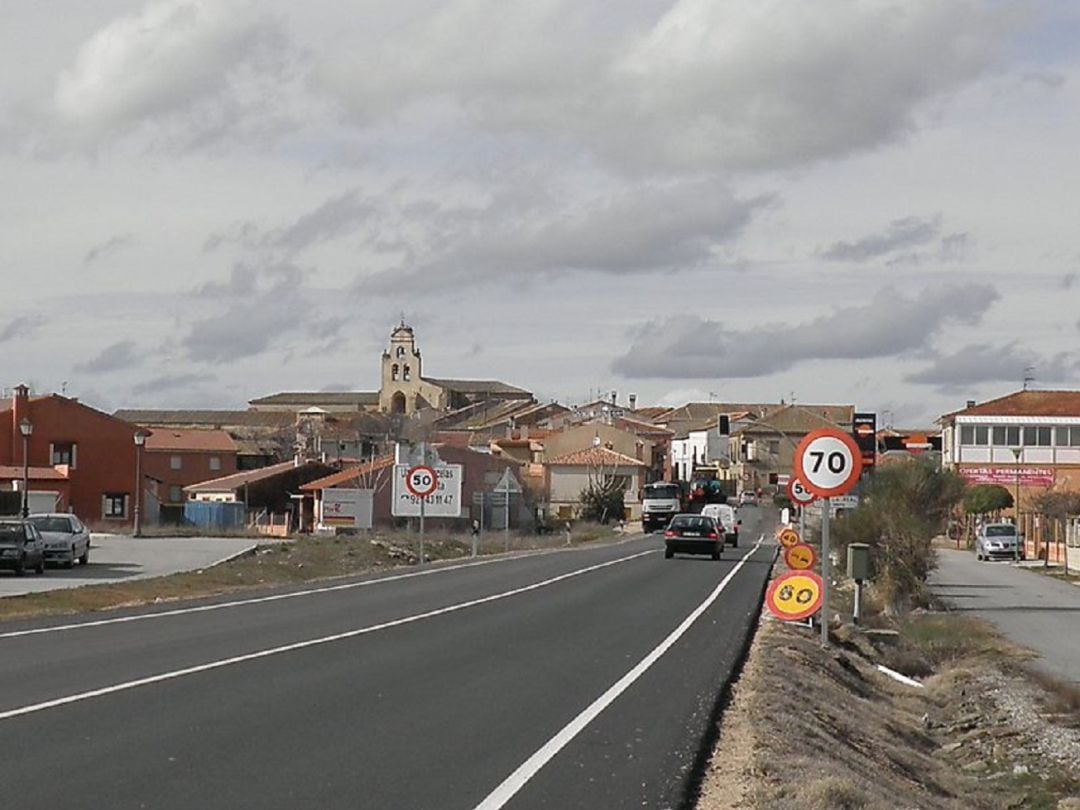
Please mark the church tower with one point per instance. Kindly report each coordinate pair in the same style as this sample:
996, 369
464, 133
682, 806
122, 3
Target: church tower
401, 380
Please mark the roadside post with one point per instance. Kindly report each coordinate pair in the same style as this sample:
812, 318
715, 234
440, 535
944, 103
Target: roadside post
421, 481
858, 569
828, 463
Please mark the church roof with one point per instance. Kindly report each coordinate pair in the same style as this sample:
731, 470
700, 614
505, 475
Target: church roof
493, 387
319, 398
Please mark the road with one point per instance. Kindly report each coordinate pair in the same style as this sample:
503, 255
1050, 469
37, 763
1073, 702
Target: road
1032, 610
119, 558
579, 678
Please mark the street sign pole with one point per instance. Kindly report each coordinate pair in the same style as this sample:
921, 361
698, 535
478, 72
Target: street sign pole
825, 573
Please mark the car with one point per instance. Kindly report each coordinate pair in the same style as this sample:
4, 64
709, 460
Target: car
998, 541
66, 538
693, 534
21, 546
747, 498
724, 514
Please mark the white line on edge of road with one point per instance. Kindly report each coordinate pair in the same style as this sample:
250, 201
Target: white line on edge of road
529, 768
257, 600
300, 645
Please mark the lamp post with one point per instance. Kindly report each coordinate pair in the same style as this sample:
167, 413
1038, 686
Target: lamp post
26, 427
140, 440
1017, 452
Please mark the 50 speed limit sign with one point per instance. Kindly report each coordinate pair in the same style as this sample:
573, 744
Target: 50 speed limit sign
799, 494
828, 462
421, 480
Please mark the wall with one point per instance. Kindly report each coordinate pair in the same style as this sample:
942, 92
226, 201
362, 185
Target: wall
581, 437
194, 469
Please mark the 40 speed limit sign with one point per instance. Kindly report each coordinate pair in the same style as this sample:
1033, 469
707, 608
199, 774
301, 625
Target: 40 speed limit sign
794, 596
828, 462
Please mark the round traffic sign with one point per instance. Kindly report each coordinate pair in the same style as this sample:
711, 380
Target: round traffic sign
828, 462
788, 537
421, 480
799, 494
794, 596
800, 557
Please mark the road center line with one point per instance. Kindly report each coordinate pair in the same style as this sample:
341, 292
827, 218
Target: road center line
258, 600
300, 645
529, 768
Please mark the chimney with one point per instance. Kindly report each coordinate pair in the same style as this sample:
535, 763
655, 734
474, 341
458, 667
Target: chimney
633, 402
614, 397
971, 403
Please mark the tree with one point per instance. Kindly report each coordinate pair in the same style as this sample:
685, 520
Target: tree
903, 507
982, 499
1058, 505
602, 498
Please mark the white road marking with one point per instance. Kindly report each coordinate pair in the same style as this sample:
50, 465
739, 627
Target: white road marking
258, 600
529, 768
300, 645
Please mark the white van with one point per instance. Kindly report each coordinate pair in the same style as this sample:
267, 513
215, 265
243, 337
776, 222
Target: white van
725, 516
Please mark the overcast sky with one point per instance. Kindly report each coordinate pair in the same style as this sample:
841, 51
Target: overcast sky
206, 201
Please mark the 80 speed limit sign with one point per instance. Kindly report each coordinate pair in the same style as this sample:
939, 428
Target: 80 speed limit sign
828, 462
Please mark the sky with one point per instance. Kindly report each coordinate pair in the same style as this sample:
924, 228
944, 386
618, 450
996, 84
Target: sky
844, 201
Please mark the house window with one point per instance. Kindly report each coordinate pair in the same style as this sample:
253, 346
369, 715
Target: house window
405, 375
175, 494
1006, 436
1074, 439
774, 446
62, 453
394, 371
175, 462
215, 463
967, 435
1068, 436
114, 506
1038, 436
982, 435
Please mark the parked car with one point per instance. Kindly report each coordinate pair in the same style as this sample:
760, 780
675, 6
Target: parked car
66, 538
724, 514
21, 547
998, 541
747, 498
693, 534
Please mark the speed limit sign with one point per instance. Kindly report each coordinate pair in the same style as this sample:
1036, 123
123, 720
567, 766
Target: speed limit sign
798, 494
421, 480
828, 462
794, 596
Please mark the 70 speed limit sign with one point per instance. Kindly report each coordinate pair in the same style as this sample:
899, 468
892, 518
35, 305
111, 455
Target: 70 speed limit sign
828, 462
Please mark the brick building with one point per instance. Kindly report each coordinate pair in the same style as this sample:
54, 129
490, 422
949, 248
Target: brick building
176, 458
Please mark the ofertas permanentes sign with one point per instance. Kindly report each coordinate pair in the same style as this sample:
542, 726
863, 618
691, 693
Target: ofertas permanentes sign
1006, 476
444, 500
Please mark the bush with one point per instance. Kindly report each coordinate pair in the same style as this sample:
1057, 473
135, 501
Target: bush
602, 502
982, 499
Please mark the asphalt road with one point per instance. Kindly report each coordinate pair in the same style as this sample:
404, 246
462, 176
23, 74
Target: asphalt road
119, 558
582, 678
1032, 610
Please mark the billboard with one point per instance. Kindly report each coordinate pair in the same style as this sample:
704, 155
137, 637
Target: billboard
445, 501
347, 508
864, 429
1008, 476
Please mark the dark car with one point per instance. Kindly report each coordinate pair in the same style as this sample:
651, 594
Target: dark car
693, 534
21, 547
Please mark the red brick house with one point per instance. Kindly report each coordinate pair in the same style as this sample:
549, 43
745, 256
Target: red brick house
176, 458
97, 451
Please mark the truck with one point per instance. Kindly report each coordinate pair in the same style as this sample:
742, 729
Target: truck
660, 501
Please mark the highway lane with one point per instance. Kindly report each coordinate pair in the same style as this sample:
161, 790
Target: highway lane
434, 711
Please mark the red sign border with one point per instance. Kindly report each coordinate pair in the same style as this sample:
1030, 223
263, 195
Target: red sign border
774, 586
419, 468
791, 492
813, 556
856, 461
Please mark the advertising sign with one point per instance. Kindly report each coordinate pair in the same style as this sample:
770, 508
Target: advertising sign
864, 429
1006, 476
444, 500
350, 508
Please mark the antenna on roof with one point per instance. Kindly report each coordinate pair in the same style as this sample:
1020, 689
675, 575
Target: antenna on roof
1029, 376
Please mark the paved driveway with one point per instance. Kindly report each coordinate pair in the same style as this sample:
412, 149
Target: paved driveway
118, 558
1032, 610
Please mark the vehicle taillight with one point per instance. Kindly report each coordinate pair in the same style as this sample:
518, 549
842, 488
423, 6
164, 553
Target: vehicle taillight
669, 533
714, 536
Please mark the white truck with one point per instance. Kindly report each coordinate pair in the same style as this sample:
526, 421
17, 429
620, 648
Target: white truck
660, 502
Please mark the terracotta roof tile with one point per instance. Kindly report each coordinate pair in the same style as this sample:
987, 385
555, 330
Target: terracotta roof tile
349, 474
595, 457
192, 441
1026, 403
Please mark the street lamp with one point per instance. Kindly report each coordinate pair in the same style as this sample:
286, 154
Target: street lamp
140, 440
26, 427
1017, 452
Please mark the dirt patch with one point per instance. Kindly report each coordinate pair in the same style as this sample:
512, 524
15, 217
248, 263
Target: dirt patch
822, 728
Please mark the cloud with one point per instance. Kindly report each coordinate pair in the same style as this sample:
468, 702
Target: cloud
711, 84
170, 382
646, 228
981, 363
22, 326
336, 217
189, 70
117, 357
900, 241
108, 248
889, 325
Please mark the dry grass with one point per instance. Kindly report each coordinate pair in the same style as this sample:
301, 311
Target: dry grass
282, 564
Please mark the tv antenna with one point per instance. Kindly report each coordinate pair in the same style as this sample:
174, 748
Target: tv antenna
1029, 376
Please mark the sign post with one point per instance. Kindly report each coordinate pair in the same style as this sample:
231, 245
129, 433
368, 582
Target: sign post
421, 481
801, 497
828, 463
